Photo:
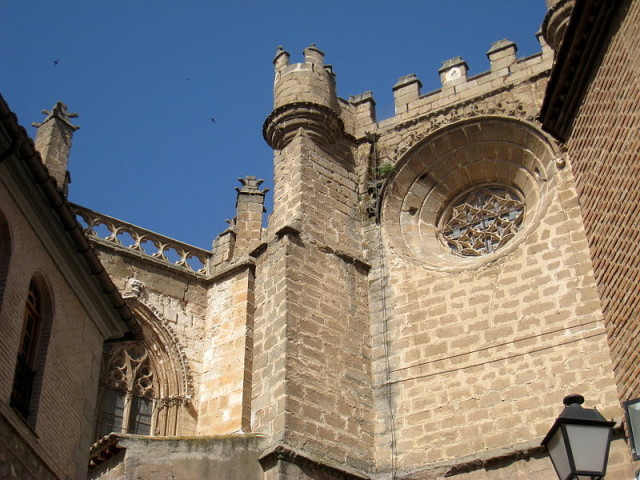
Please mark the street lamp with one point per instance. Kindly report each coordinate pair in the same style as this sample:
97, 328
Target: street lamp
578, 442
632, 414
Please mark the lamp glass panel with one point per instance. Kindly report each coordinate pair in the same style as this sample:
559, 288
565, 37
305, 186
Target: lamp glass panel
589, 446
633, 413
558, 452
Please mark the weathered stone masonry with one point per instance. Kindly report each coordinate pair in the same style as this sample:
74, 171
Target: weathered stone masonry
426, 290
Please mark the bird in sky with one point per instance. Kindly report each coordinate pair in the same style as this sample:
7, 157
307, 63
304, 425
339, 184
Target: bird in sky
56, 61
213, 120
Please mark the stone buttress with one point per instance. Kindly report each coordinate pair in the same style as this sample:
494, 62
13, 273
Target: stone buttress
312, 389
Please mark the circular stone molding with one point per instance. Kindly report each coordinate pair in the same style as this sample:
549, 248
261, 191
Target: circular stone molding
487, 154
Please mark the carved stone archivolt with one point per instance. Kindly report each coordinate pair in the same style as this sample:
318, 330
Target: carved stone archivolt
417, 129
428, 194
179, 380
153, 366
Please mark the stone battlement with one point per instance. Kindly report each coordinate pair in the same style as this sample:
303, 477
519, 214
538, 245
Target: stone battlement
309, 82
506, 71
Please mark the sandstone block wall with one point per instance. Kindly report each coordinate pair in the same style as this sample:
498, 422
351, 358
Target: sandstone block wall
176, 299
469, 360
209, 321
312, 374
480, 359
533, 466
270, 341
227, 363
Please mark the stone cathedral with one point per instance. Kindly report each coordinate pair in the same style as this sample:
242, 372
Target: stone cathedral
426, 290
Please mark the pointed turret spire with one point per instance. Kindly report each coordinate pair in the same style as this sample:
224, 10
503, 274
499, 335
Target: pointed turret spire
53, 141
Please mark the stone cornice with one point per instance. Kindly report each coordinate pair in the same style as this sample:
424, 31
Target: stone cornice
482, 105
579, 55
321, 123
282, 452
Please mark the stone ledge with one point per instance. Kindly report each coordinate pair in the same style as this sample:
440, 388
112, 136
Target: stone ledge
282, 452
491, 459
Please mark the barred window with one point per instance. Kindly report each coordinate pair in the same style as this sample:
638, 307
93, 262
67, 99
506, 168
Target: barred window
482, 220
32, 350
128, 390
21, 393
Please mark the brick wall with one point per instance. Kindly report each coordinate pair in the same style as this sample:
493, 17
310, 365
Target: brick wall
603, 148
60, 436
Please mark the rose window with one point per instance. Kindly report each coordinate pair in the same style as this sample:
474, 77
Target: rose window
482, 220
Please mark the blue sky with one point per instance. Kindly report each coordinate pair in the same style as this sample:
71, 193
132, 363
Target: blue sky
147, 76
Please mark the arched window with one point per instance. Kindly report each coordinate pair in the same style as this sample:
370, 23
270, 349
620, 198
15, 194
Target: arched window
128, 390
5, 254
32, 351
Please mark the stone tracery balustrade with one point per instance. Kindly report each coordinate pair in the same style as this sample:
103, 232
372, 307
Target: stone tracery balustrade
110, 230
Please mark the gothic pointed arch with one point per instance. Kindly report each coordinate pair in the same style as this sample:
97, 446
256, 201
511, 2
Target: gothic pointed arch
166, 351
147, 386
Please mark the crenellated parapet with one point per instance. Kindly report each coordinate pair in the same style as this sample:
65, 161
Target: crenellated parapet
501, 90
309, 82
304, 98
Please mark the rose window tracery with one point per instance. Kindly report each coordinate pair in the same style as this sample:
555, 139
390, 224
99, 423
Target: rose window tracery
482, 220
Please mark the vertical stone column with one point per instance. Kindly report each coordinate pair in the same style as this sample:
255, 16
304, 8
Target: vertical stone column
53, 141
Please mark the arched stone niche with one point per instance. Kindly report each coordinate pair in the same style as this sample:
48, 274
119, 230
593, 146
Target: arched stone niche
455, 159
174, 412
173, 391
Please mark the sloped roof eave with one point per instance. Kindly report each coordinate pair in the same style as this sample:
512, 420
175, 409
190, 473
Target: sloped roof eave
22, 146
